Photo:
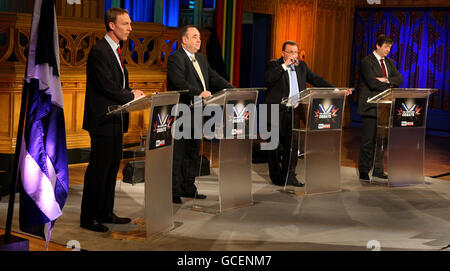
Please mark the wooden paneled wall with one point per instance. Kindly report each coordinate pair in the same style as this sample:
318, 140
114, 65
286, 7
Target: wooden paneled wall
146, 64
93, 9
322, 28
333, 39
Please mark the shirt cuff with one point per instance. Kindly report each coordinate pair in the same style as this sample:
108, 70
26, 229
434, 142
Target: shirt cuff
285, 68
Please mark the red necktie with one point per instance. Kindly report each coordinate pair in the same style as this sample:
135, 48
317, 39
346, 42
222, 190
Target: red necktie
120, 55
383, 68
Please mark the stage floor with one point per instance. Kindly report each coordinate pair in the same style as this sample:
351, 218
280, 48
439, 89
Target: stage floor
404, 218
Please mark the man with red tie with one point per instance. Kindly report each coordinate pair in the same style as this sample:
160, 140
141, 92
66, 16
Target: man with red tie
377, 74
106, 85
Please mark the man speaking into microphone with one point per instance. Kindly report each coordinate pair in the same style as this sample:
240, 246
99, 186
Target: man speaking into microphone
286, 77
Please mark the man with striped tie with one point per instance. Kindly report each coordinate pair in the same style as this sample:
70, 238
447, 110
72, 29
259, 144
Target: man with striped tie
286, 77
187, 69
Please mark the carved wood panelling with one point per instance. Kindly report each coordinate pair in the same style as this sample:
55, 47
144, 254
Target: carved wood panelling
145, 53
259, 6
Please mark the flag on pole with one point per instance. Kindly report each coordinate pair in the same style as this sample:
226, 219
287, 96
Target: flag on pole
43, 155
229, 29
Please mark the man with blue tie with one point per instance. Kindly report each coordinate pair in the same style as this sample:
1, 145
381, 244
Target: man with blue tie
286, 77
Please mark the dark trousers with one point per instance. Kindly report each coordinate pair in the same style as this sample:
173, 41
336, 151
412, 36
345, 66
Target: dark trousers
185, 166
369, 142
100, 177
278, 159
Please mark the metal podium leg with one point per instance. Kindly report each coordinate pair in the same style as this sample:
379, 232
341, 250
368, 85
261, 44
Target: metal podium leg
406, 156
235, 183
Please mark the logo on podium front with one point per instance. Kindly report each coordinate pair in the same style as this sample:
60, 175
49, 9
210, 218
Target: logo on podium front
326, 114
409, 112
238, 119
161, 124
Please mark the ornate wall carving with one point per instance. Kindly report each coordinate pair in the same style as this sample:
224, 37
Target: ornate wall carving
145, 54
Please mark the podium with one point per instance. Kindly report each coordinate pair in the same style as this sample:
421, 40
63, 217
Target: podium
235, 129
401, 124
316, 139
158, 158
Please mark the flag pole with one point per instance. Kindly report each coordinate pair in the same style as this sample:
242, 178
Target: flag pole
15, 172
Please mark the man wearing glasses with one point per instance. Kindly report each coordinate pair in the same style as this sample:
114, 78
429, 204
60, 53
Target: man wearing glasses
286, 77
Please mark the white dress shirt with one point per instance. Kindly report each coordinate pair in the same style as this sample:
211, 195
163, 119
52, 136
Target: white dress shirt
379, 62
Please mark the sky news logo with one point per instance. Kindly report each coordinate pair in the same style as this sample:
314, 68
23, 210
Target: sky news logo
407, 123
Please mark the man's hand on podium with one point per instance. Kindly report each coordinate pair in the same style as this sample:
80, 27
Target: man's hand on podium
137, 93
348, 91
205, 94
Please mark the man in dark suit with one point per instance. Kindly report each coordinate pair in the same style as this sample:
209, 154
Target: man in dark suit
377, 74
189, 70
285, 77
106, 85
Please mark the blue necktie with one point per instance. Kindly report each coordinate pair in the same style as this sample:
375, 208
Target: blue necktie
294, 85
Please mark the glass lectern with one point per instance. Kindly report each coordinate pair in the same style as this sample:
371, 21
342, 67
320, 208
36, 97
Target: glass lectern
316, 138
235, 130
158, 158
401, 124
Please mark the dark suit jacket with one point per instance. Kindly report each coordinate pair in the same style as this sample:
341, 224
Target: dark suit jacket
277, 80
369, 86
104, 88
181, 75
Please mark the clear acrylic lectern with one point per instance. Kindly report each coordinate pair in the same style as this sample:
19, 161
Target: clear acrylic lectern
316, 138
158, 158
235, 129
401, 124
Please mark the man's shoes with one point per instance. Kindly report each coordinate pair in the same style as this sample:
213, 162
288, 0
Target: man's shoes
94, 225
292, 180
380, 175
297, 184
176, 199
364, 176
113, 219
194, 195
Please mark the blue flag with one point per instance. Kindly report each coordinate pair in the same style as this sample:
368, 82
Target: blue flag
43, 155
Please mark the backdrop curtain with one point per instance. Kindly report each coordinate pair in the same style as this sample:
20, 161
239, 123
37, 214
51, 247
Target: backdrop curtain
421, 49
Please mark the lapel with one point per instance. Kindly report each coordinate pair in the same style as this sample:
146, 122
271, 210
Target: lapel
376, 64
389, 64
203, 68
114, 61
191, 66
285, 75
